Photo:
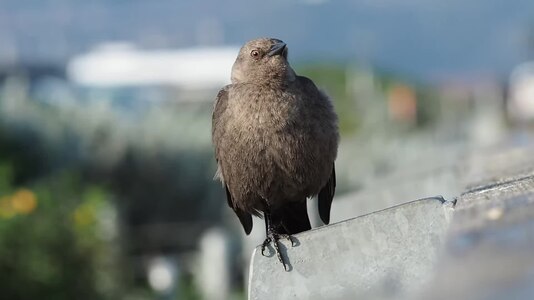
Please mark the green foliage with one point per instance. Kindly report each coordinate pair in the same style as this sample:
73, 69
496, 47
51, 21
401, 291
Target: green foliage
428, 107
50, 240
332, 79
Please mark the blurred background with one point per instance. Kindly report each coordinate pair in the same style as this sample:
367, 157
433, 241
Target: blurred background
106, 163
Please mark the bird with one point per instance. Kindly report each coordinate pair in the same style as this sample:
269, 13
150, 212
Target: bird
275, 138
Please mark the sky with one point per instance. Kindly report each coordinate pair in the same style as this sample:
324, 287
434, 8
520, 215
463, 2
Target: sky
426, 39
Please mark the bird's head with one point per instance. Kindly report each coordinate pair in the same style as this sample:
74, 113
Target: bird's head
262, 60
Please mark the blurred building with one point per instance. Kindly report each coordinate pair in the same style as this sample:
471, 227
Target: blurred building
520, 105
402, 104
191, 70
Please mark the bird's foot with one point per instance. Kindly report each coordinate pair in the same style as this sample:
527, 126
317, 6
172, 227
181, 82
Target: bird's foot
274, 238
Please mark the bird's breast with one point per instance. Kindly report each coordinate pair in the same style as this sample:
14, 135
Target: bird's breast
276, 143
264, 109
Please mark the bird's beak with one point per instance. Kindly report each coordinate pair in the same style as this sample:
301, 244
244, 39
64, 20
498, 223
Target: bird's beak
277, 48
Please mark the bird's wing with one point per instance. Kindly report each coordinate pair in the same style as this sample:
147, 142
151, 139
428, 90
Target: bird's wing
291, 218
326, 195
218, 110
217, 131
244, 217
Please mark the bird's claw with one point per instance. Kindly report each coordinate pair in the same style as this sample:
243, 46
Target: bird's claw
264, 244
274, 238
291, 239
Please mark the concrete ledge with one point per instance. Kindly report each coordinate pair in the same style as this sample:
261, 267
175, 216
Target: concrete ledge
379, 255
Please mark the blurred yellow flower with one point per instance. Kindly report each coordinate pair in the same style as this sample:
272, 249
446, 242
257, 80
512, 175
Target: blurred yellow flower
23, 201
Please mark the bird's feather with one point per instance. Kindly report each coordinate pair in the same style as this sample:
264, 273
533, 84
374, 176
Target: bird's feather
244, 217
221, 102
291, 218
325, 197
275, 137
218, 110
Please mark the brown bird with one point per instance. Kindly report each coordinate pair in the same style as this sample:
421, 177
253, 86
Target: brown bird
275, 137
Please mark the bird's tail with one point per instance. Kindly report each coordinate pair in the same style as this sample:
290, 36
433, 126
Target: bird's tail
291, 218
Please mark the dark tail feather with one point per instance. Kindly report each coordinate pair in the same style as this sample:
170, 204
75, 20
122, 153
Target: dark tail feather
325, 197
291, 218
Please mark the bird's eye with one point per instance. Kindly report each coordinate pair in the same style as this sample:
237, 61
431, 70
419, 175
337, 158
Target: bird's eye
255, 53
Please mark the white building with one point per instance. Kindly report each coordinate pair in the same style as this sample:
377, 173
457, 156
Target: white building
521, 98
123, 65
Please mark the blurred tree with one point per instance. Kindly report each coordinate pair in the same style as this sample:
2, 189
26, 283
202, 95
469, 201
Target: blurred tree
53, 242
332, 79
428, 106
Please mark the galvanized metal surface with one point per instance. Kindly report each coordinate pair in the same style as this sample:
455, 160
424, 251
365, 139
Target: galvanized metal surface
376, 256
494, 205
412, 251
489, 250
396, 190
484, 167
